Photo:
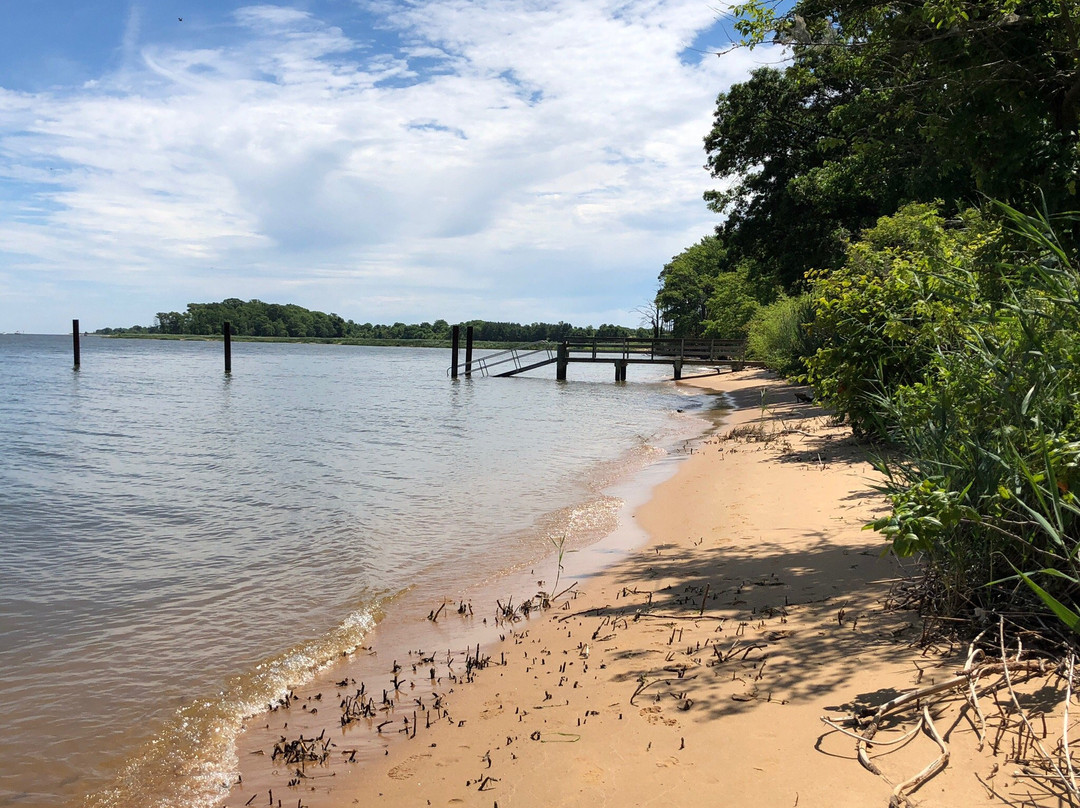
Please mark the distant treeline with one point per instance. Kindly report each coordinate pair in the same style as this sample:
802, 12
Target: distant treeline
253, 318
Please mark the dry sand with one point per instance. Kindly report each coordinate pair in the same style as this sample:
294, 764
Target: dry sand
693, 671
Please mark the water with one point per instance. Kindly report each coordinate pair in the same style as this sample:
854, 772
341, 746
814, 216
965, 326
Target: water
176, 546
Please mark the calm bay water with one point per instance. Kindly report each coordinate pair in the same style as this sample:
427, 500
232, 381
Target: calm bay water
177, 546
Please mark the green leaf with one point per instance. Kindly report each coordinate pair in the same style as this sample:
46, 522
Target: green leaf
1066, 615
1027, 401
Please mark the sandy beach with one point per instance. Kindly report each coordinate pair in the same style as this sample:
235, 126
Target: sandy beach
695, 669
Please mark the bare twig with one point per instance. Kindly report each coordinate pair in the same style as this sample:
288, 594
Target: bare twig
646, 684
975, 653
1065, 752
855, 736
899, 797
1020, 710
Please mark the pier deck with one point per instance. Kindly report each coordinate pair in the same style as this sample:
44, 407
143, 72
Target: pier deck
621, 353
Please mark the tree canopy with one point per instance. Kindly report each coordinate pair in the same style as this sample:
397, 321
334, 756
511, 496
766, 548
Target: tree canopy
254, 318
881, 105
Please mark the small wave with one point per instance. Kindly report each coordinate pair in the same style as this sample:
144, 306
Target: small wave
191, 762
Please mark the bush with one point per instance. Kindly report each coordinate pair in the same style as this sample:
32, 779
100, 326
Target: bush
991, 431
959, 344
900, 299
782, 335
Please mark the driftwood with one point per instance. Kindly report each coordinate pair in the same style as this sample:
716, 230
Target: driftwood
967, 680
898, 797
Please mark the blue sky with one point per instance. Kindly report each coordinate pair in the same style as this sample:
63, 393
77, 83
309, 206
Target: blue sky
382, 159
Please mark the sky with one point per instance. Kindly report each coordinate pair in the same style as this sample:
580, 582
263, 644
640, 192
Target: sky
385, 160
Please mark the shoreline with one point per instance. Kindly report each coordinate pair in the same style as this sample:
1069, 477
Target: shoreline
694, 668
186, 756
406, 624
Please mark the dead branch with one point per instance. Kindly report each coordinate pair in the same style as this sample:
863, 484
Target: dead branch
899, 795
972, 674
1065, 752
1020, 710
646, 684
855, 736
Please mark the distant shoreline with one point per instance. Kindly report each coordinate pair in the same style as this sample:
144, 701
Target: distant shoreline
388, 343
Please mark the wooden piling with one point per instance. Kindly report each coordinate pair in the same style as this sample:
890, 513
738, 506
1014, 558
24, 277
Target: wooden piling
455, 342
226, 330
468, 350
562, 357
75, 341
678, 369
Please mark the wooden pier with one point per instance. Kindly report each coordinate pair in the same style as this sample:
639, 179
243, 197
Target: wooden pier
621, 353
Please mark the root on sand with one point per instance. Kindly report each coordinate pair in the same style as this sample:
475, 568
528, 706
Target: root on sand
1050, 767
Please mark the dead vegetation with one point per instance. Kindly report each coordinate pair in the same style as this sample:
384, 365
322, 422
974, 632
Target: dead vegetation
1042, 758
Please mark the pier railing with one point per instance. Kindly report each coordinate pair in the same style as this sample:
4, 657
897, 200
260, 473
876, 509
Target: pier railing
663, 349
509, 362
622, 352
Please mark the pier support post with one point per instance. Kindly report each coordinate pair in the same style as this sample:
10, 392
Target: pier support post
455, 342
620, 370
561, 361
75, 341
226, 332
678, 369
468, 351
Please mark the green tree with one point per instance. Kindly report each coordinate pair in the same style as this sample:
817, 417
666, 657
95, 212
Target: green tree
686, 284
732, 304
170, 322
884, 104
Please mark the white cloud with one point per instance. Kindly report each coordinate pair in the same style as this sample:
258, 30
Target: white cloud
552, 158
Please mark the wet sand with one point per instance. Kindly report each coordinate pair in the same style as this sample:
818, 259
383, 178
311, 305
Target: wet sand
695, 669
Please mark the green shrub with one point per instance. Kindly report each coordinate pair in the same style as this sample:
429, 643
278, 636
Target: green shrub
782, 335
958, 343
900, 299
991, 434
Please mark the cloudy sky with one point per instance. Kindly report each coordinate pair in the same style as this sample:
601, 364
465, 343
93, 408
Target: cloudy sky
382, 159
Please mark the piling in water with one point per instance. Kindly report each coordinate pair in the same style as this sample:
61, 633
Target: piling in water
455, 342
226, 330
468, 350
